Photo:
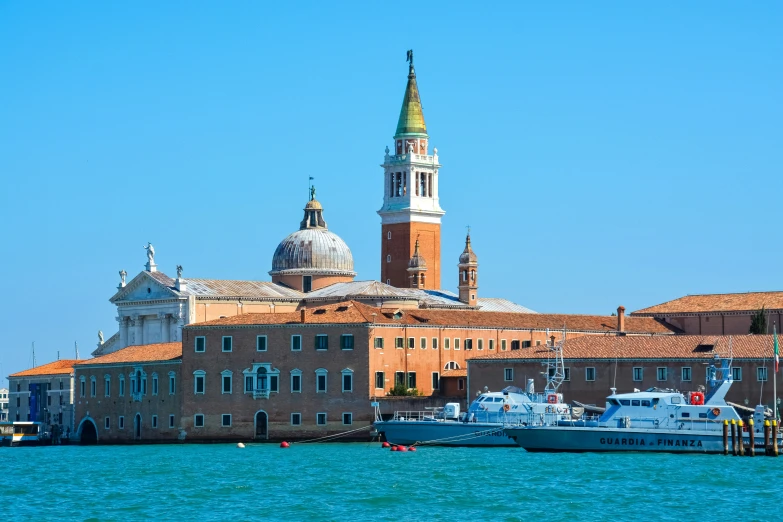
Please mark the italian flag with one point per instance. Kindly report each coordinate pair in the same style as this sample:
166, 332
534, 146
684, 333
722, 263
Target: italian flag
777, 357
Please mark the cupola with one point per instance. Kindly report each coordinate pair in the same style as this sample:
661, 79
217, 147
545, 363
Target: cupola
468, 275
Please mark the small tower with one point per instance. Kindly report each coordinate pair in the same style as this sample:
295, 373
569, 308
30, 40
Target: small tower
416, 268
468, 275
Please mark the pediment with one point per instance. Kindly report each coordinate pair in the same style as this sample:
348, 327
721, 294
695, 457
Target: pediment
144, 287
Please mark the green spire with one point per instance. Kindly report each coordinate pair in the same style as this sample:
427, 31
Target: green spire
411, 115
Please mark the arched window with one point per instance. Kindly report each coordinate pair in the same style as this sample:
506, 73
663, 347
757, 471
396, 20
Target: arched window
262, 381
388, 258
464, 275
472, 275
451, 365
388, 234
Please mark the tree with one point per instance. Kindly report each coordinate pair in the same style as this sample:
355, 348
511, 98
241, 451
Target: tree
400, 390
758, 322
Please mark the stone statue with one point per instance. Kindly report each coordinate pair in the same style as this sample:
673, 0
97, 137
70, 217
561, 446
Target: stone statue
312, 192
150, 253
410, 147
179, 271
100, 336
123, 275
409, 57
387, 150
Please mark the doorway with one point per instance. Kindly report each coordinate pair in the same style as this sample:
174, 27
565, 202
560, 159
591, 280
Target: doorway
137, 427
89, 433
262, 428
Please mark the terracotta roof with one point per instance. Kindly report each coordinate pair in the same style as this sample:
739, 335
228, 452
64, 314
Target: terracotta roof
455, 373
747, 302
648, 347
61, 367
141, 353
358, 313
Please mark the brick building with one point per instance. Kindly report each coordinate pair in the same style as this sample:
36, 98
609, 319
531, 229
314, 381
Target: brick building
718, 314
133, 394
314, 372
43, 394
596, 364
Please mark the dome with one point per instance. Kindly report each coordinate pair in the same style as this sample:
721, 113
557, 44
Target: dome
468, 256
313, 251
417, 261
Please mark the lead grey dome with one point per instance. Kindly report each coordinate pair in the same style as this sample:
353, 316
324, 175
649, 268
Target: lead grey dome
312, 250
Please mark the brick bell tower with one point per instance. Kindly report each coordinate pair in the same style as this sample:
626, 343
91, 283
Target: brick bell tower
410, 196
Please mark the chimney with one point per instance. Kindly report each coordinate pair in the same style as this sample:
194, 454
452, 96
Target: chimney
621, 318
303, 313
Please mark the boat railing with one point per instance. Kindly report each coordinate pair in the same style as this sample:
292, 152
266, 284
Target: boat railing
415, 416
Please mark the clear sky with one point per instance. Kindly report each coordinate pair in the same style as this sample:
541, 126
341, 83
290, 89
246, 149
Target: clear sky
603, 153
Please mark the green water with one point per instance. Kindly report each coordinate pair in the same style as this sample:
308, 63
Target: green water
365, 482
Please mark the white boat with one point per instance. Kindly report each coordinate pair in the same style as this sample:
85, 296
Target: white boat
28, 434
654, 420
483, 423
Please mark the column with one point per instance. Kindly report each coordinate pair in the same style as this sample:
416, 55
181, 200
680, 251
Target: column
165, 330
123, 330
137, 321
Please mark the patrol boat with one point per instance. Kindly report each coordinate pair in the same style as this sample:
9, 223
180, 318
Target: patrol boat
483, 423
653, 420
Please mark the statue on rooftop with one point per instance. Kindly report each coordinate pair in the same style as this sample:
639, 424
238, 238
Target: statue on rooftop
100, 336
123, 275
312, 192
150, 253
179, 271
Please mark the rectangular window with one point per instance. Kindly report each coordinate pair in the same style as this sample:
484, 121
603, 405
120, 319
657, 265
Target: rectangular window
527, 344
456, 343
566, 374
347, 382
122, 387
379, 342
446, 343
296, 419
503, 345
273, 383
515, 344
261, 343
423, 343
227, 384
590, 373
468, 344
346, 342
321, 342
460, 384
144, 386
198, 420
661, 373
399, 343
296, 383
296, 343
248, 383
491, 344
321, 383
307, 283
508, 374
686, 373
380, 380
171, 421
638, 373
399, 378
480, 344
736, 373
93, 385
435, 381
411, 379
154, 421
320, 419
347, 419
227, 343
225, 420
411, 343
107, 423
538, 343
107, 387
201, 344
154, 385
761, 374
434, 343
121, 422
172, 384
199, 384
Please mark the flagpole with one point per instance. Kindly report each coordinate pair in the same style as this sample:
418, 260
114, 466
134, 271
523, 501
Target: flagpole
775, 368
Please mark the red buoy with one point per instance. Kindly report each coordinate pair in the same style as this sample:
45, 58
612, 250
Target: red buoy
394, 448
402, 448
284, 444
412, 448
385, 445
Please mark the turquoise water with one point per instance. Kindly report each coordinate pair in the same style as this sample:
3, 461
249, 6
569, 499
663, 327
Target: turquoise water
364, 482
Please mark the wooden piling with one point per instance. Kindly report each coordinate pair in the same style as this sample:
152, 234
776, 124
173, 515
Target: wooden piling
774, 438
741, 438
733, 437
766, 438
725, 436
752, 434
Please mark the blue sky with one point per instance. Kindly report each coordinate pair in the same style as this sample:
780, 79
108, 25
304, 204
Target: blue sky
602, 153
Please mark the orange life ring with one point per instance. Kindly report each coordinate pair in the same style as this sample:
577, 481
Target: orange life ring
506, 407
551, 398
716, 411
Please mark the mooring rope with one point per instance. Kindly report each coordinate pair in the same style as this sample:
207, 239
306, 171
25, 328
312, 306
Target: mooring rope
456, 438
333, 436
